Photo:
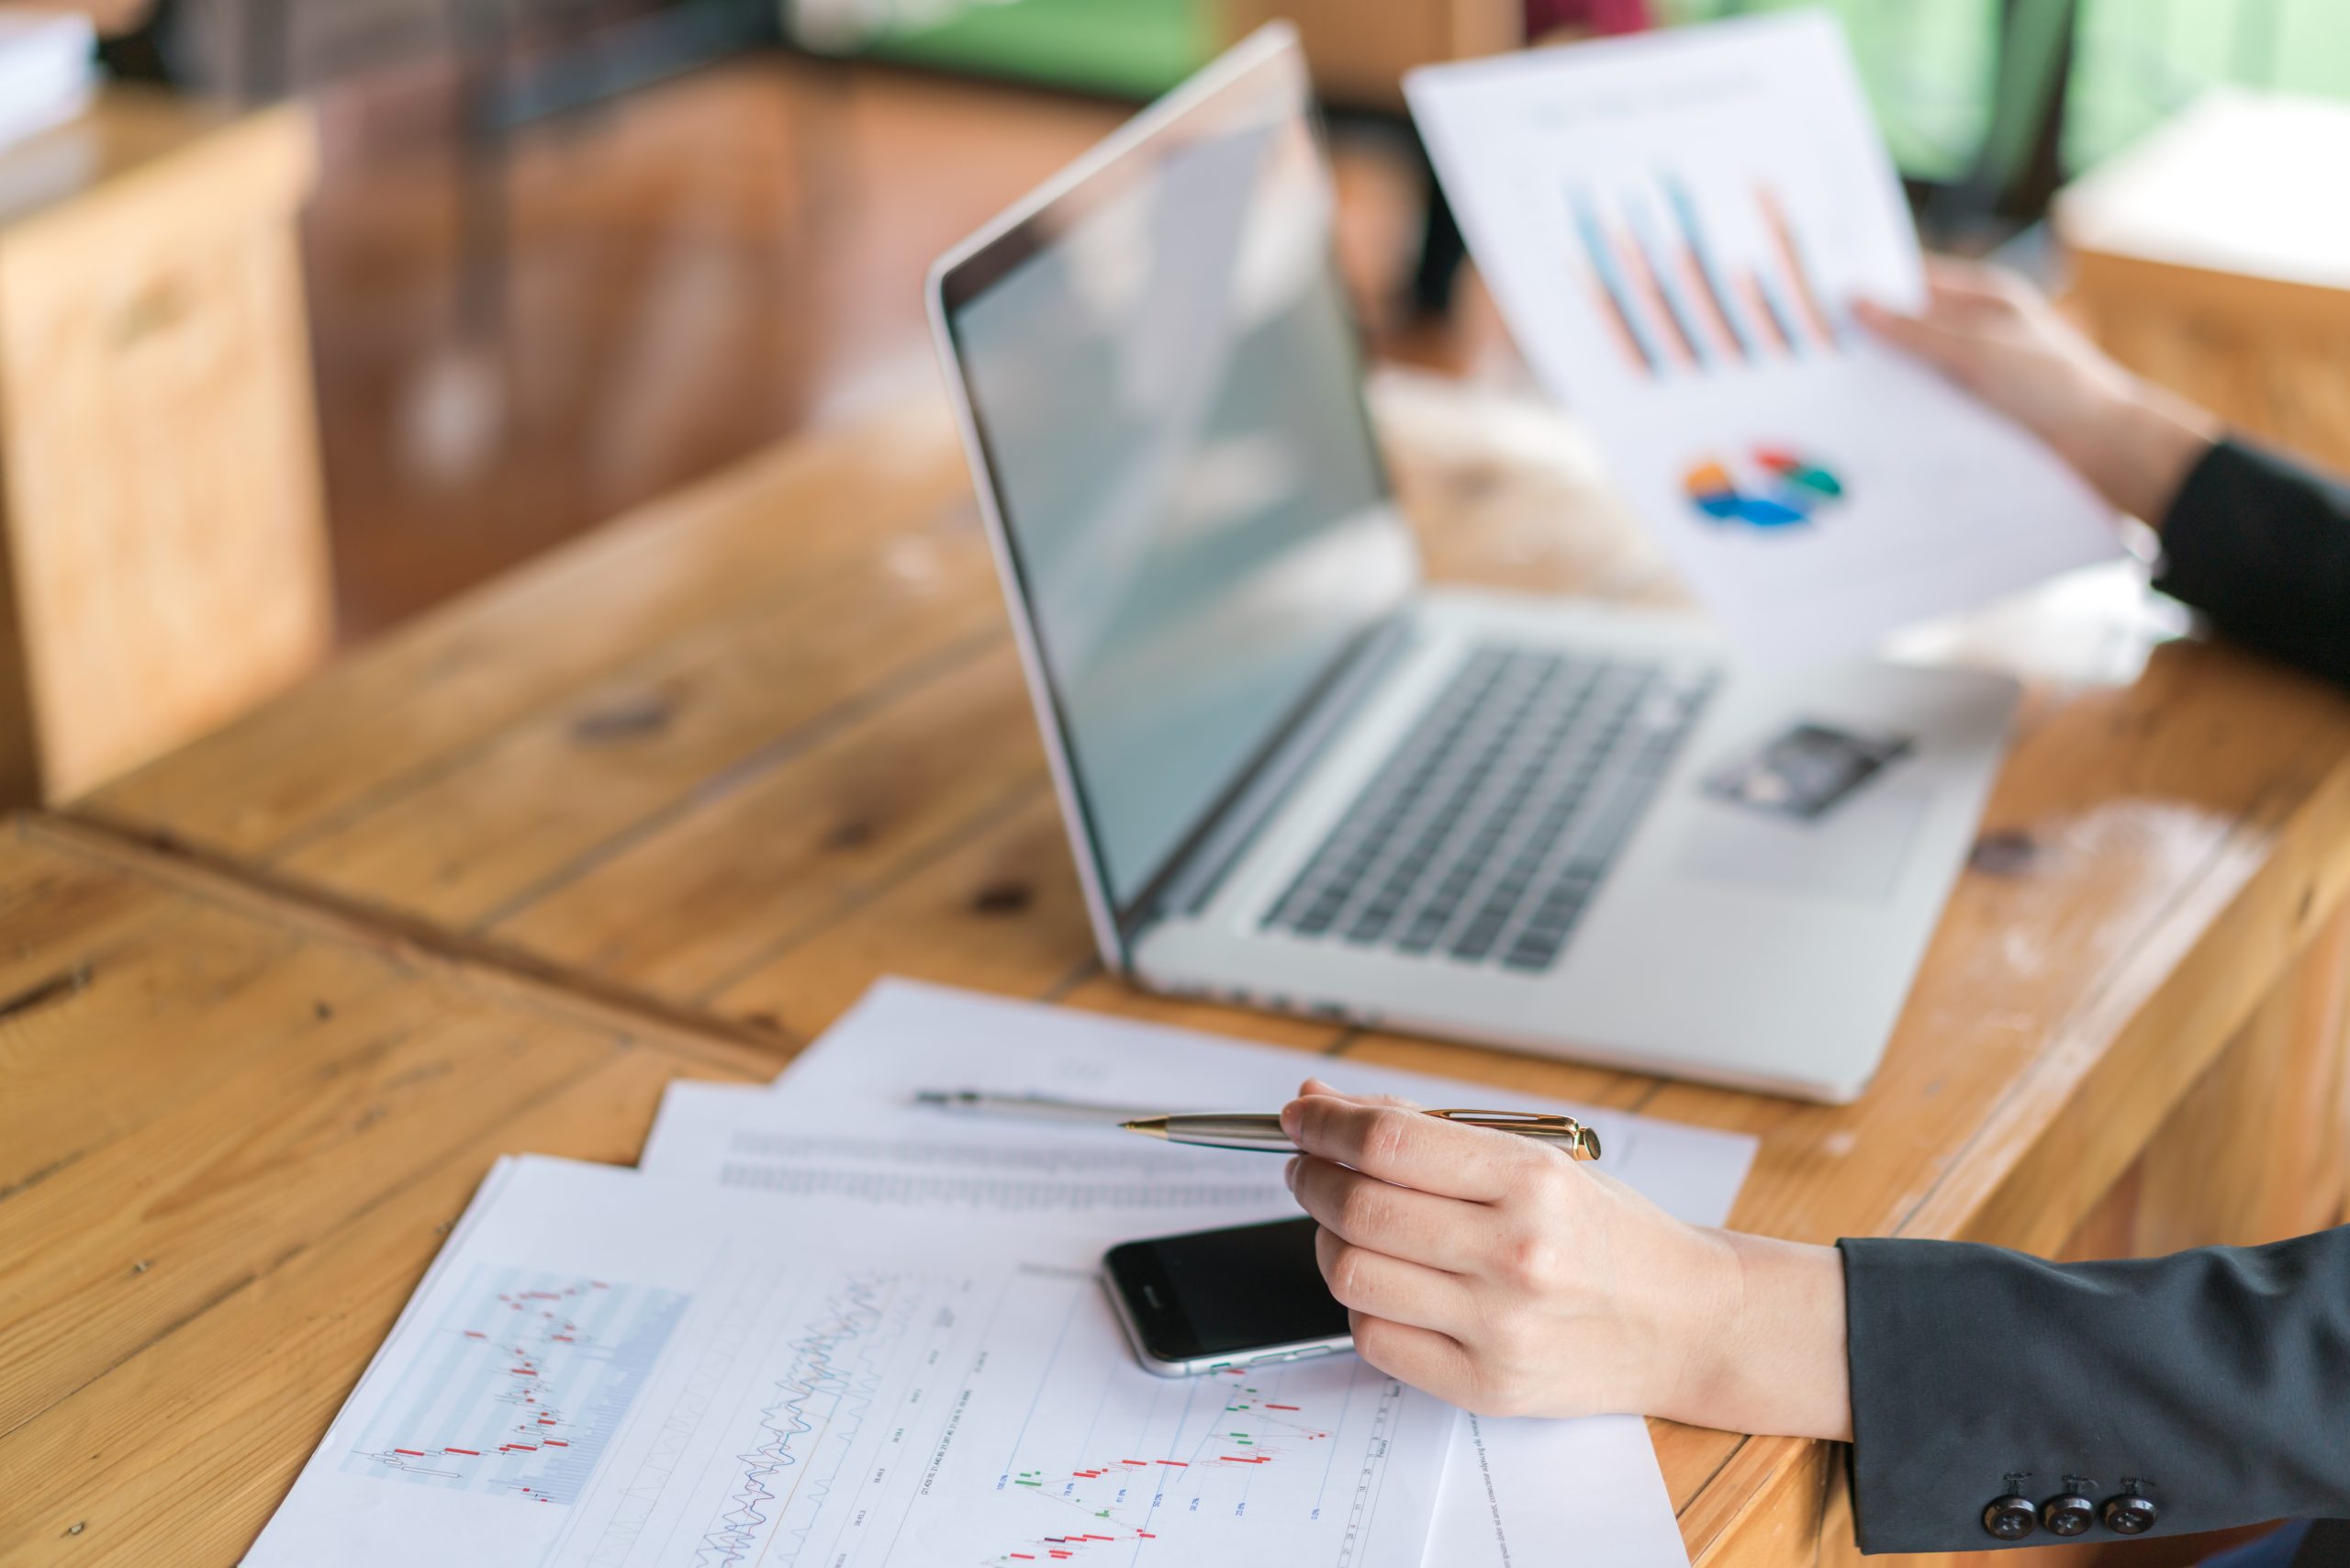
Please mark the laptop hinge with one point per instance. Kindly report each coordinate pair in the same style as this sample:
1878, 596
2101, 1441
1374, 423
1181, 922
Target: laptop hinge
1199, 868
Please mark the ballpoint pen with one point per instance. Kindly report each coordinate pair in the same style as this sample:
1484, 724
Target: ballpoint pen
1035, 1107
1262, 1131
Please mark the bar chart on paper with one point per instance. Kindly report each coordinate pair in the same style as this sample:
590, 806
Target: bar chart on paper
1703, 288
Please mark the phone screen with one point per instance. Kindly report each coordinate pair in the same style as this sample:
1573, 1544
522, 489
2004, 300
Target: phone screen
1216, 1293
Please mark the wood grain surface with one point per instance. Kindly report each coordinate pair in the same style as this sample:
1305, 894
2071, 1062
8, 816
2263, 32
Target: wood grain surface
235, 1131
731, 759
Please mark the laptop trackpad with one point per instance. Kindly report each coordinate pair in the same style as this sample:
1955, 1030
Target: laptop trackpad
1855, 852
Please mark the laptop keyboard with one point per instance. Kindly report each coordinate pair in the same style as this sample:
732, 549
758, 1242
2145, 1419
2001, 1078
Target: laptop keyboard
1488, 829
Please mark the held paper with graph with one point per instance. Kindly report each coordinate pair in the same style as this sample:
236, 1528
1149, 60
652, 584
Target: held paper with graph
1676, 226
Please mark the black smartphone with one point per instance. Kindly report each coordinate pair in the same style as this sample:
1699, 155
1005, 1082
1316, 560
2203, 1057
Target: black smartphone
1212, 1299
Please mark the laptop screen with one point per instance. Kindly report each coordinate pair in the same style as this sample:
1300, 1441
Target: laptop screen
1165, 378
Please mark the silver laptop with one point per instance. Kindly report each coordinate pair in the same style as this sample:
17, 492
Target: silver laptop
1297, 777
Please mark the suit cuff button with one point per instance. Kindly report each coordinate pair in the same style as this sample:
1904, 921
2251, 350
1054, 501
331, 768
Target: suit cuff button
2130, 1514
2068, 1514
2010, 1517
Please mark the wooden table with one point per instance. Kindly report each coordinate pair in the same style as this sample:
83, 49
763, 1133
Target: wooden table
235, 1130
705, 775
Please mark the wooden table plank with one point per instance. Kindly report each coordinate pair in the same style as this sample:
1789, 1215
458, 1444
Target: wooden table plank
261, 1373
532, 806
231, 1147
693, 903
2169, 830
380, 724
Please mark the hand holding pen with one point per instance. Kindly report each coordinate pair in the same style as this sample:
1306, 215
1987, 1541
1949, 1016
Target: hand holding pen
1514, 1284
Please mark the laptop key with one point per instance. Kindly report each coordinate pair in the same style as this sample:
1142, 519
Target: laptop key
1508, 798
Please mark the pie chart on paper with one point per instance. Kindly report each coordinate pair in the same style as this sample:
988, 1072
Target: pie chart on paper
1771, 488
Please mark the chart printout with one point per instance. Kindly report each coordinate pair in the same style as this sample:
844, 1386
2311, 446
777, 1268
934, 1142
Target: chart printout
1676, 226
615, 1370
839, 1130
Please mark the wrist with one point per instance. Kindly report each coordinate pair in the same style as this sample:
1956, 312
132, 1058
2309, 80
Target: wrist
1762, 1342
2138, 452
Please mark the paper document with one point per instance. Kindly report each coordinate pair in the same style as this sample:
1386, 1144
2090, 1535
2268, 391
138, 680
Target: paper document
840, 1128
608, 1369
1676, 226
842, 1120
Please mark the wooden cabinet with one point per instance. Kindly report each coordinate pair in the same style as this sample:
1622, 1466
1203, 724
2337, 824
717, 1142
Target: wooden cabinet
165, 561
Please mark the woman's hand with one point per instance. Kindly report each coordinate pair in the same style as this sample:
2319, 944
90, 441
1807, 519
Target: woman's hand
1497, 1273
1994, 334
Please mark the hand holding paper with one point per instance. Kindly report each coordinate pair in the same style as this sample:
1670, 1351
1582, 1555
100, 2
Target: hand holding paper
1677, 225
1993, 335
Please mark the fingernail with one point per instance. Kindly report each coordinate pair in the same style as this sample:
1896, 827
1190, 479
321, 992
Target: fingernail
1289, 1173
1291, 1118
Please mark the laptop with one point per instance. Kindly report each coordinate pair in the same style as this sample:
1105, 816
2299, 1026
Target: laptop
1296, 776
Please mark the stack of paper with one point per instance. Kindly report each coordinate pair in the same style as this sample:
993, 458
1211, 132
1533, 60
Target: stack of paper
45, 70
823, 1324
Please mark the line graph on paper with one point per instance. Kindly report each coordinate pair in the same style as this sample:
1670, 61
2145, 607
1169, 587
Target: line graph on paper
806, 1430
1099, 1460
804, 1389
528, 1378
882, 1417
1240, 1441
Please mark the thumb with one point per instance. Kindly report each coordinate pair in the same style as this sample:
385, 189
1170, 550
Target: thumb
1947, 351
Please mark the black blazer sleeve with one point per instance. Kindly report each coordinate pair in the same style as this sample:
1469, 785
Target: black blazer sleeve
2263, 548
2214, 1384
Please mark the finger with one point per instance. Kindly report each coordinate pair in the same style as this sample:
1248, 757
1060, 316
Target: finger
1408, 1149
1421, 1357
1319, 1086
1374, 1283
1964, 283
1947, 349
1443, 1233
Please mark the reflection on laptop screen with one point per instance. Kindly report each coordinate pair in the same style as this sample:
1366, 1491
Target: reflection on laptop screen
1167, 395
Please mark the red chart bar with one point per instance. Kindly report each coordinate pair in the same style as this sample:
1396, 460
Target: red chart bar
1791, 253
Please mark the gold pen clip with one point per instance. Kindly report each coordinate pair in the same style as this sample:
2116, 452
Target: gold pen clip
1580, 1141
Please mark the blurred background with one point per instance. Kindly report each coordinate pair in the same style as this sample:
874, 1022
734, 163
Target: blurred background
558, 257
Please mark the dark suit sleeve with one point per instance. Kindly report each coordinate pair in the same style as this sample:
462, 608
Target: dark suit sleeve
2216, 1381
2263, 548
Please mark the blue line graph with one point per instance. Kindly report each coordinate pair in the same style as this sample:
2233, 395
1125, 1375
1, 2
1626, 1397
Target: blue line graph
833, 1377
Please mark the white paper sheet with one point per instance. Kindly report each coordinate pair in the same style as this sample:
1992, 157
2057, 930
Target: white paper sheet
608, 1369
840, 1127
1674, 226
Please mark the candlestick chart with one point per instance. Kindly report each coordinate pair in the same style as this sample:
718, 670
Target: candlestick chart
523, 1383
